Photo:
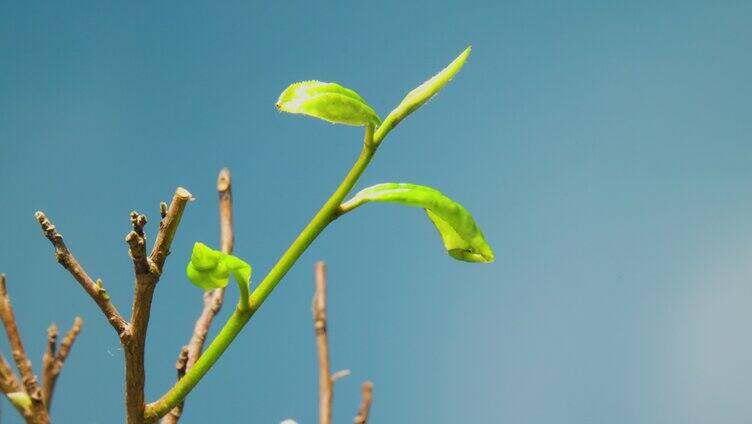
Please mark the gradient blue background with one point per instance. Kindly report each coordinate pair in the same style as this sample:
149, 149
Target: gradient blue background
604, 148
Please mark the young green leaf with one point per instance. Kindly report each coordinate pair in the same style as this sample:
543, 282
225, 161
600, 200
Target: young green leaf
328, 101
462, 237
420, 95
211, 269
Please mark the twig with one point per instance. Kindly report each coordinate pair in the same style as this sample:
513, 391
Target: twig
180, 366
53, 359
336, 376
213, 299
9, 382
148, 271
319, 324
365, 403
95, 290
28, 379
10, 385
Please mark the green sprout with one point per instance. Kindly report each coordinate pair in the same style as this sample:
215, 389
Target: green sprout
210, 269
334, 103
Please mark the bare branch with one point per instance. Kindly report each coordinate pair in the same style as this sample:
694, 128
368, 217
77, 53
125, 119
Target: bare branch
168, 226
224, 188
322, 343
213, 299
147, 275
9, 381
365, 403
95, 290
53, 361
173, 416
28, 379
10, 385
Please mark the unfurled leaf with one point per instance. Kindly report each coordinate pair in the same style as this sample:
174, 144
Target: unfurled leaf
421, 94
462, 237
328, 101
211, 269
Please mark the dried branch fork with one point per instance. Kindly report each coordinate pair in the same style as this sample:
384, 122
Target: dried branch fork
147, 270
54, 358
32, 401
213, 299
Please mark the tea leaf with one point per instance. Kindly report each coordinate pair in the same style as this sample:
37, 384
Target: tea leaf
420, 95
211, 269
462, 237
328, 101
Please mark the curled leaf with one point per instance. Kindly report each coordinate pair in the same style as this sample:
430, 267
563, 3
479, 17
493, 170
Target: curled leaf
211, 269
462, 237
420, 95
328, 101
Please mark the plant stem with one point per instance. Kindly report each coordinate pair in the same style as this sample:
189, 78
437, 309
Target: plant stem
239, 318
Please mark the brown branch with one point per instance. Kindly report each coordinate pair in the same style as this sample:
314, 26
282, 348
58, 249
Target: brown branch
365, 403
319, 324
148, 271
181, 364
213, 298
28, 379
53, 359
9, 383
95, 290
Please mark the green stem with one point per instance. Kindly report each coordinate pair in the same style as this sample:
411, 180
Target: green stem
240, 317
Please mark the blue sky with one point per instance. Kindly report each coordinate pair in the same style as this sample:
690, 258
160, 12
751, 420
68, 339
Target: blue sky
604, 148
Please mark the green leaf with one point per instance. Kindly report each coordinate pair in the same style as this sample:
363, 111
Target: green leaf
462, 237
328, 101
420, 95
211, 269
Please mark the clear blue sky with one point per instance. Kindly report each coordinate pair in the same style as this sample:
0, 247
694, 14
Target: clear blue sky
604, 147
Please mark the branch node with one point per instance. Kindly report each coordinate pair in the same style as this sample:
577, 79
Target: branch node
101, 291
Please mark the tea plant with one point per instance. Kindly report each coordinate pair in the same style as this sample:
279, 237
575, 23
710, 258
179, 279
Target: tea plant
211, 269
